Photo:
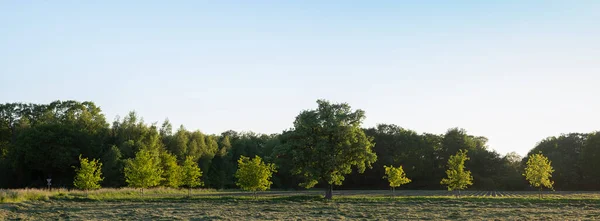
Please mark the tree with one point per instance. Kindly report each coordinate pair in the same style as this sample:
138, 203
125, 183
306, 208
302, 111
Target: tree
454, 140
395, 145
590, 163
539, 171
327, 143
458, 178
221, 168
254, 175
191, 174
172, 175
144, 170
565, 153
511, 178
179, 147
88, 175
112, 167
395, 176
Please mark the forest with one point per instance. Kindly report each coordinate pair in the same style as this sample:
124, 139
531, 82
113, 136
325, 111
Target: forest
38, 141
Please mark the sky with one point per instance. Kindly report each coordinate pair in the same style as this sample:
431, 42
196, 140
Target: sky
515, 72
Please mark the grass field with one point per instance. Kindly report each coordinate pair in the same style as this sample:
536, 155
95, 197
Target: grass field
168, 204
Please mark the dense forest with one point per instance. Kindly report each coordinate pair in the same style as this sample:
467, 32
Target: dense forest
38, 141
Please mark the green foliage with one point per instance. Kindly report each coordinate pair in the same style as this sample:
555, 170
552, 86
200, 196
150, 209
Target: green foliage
112, 167
327, 143
132, 135
539, 171
457, 139
219, 172
395, 176
42, 140
191, 173
172, 172
254, 175
180, 143
458, 178
566, 152
144, 170
395, 145
590, 161
88, 175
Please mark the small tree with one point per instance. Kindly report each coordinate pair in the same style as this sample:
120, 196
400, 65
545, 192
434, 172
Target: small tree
172, 171
144, 170
458, 178
191, 174
88, 175
539, 171
254, 175
395, 176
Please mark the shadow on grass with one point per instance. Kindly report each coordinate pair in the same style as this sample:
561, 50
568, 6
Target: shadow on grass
179, 199
278, 197
464, 200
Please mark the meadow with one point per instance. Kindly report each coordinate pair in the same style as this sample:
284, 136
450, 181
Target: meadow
173, 204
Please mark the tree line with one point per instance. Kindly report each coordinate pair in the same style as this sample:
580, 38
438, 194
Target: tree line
327, 147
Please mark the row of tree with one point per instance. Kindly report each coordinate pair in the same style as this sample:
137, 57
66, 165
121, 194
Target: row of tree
254, 175
150, 169
327, 146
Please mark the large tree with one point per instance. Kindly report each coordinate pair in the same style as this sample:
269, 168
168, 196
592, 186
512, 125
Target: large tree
327, 143
590, 163
221, 167
112, 167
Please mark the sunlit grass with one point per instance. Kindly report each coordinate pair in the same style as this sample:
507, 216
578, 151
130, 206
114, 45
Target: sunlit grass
116, 194
21, 195
173, 204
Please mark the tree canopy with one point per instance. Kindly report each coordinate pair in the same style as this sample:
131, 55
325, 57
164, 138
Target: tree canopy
40, 141
458, 178
88, 175
326, 143
395, 176
254, 174
144, 170
172, 172
191, 173
539, 171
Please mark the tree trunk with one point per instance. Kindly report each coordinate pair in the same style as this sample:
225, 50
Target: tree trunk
329, 192
540, 192
458, 193
189, 192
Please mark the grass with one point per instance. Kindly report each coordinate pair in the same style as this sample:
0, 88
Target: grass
22, 195
172, 204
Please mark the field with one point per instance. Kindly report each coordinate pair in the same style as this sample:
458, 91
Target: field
168, 204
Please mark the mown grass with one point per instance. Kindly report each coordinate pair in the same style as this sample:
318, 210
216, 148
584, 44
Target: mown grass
108, 194
22, 195
172, 204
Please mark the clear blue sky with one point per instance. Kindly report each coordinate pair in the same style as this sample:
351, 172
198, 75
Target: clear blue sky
513, 71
